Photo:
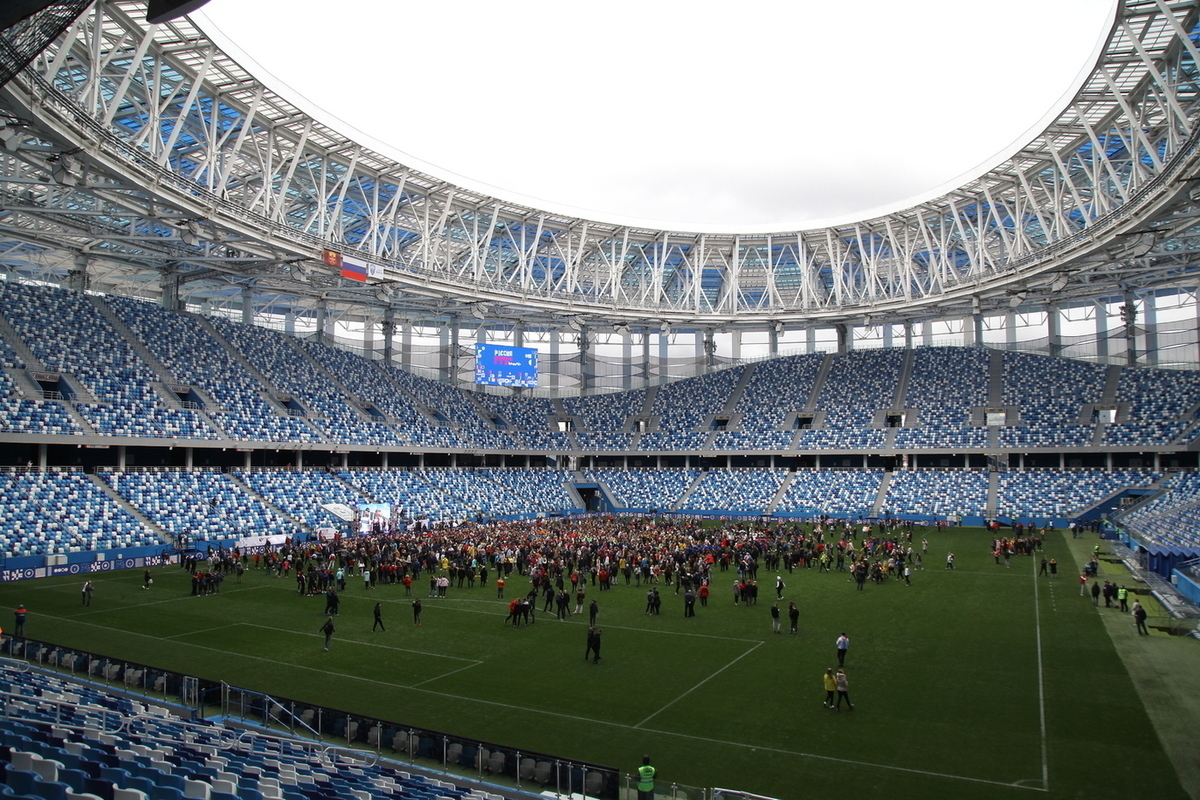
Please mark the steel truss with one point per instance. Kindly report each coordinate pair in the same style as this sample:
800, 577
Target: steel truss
143, 160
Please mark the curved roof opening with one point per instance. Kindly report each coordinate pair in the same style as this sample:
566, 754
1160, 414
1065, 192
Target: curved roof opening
763, 116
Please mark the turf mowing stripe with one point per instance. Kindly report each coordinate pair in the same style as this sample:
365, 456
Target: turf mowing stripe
698, 685
1037, 628
1022, 784
627, 628
179, 599
470, 661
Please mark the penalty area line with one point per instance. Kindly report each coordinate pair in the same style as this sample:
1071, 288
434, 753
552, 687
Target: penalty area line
698, 685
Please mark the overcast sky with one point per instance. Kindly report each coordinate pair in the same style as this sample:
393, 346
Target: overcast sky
754, 116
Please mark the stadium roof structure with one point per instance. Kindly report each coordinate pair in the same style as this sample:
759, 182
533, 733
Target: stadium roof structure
142, 160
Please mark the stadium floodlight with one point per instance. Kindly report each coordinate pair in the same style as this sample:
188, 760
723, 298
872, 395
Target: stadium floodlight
1016, 300
777, 327
190, 233
478, 310
1060, 282
64, 170
664, 327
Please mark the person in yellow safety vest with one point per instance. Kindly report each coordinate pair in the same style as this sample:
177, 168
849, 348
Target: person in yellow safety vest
645, 784
1123, 597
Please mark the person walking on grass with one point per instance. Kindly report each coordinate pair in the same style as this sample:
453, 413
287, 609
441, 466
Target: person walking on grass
328, 629
1139, 618
843, 644
843, 690
87, 592
416, 607
378, 612
830, 681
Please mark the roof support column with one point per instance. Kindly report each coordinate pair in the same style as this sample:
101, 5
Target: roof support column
646, 356
586, 366
1129, 313
388, 329
322, 320
77, 275
1150, 329
1054, 329
405, 346
168, 282
1102, 330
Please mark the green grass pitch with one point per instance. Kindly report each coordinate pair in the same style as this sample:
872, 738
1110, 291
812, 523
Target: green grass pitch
981, 682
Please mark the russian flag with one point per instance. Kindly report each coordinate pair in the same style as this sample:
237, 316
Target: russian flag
354, 270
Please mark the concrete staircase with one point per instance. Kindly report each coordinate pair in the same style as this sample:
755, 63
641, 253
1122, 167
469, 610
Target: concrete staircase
133, 510
993, 495
683, 498
781, 492
819, 382
264, 501
26, 356
132, 339
881, 496
735, 395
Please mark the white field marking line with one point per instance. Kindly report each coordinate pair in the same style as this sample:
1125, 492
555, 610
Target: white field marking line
698, 685
1037, 618
203, 630
328, 672
1013, 785
470, 661
574, 717
93, 609
444, 675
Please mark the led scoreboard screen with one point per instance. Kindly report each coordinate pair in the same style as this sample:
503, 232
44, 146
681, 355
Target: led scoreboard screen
504, 365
